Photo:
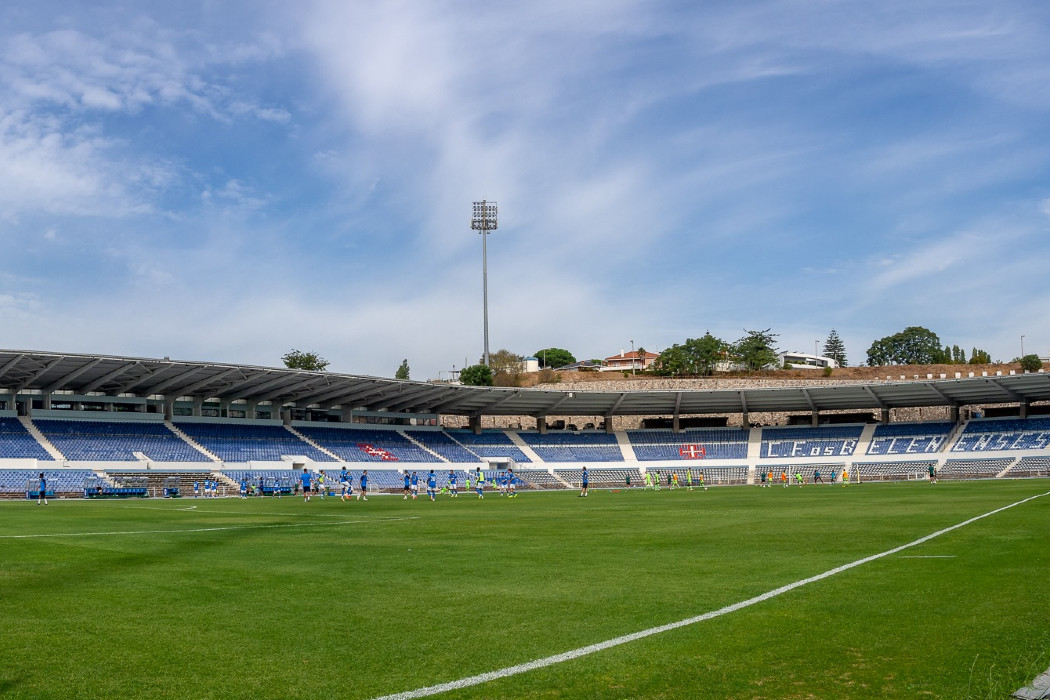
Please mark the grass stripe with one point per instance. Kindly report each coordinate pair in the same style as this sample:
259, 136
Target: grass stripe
635, 636
201, 529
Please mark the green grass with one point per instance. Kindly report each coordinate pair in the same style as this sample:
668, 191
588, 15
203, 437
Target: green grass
362, 599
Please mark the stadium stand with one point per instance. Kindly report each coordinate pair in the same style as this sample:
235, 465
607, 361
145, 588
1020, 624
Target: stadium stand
157, 481
489, 443
367, 445
1002, 435
540, 479
893, 471
63, 482
273, 481
822, 441
909, 438
973, 468
127, 485
232, 442
601, 477
713, 476
117, 441
588, 446
713, 443
806, 469
17, 443
1031, 466
443, 444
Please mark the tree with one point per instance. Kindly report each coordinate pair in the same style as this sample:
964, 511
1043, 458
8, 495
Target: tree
756, 350
980, 357
402, 371
311, 361
1031, 363
914, 345
835, 348
554, 357
697, 356
476, 375
505, 362
958, 355
506, 368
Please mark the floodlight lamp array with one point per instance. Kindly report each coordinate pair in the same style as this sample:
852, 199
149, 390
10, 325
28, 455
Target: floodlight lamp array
485, 216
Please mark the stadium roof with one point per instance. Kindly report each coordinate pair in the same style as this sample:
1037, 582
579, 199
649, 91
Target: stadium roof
49, 372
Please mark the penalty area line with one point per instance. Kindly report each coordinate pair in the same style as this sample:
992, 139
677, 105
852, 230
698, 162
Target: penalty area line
635, 636
202, 529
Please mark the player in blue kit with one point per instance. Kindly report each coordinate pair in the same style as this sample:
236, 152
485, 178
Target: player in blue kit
364, 486
41, 494
512, 484
432, 484
244, 487
453, 483
585, 480
347, 489
306, 478
414, 481
479, 483
408, 485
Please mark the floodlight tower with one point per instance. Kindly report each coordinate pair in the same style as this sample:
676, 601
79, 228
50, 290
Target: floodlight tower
483, 221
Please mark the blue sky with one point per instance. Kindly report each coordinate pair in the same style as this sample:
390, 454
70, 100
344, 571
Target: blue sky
226, 181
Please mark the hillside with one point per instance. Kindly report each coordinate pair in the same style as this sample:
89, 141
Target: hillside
595, 380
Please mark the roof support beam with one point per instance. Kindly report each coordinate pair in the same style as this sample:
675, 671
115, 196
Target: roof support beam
36, 375
245, 392
7, 367
550, 409
172, 381
108, 377
304, 389
353, 398
1012, 394
944, 397
874, 397
58, 383
188, 391
149, 373
321, 398
454, 394
408, 398
503, 399
611, 411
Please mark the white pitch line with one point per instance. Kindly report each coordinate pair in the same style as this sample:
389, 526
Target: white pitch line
201, 529
601, 646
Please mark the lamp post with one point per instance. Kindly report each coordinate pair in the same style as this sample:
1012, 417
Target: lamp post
483, 221
634, 360
1022, 345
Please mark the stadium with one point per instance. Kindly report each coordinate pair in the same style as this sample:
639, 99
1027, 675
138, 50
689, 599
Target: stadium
546, 595
655, 482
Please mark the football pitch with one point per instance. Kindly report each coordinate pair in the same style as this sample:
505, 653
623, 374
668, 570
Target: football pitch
813, 592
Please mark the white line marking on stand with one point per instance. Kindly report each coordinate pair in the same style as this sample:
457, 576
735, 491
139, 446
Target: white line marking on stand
601, 646
201, 529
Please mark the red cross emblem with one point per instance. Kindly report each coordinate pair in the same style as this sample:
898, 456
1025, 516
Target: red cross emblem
692, 451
